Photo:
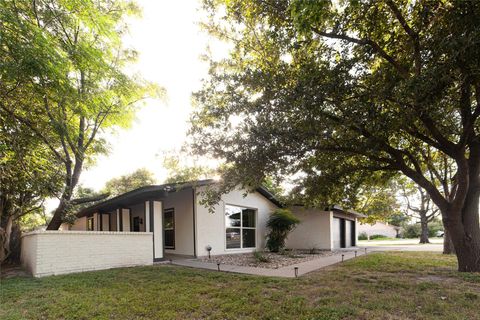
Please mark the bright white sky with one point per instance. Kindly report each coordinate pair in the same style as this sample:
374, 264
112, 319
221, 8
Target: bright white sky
170, 42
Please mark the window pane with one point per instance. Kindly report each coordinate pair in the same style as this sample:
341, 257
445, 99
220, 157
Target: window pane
169, 221
248, 238
169, 238
232, 216
233, 238
90, 224
248, 216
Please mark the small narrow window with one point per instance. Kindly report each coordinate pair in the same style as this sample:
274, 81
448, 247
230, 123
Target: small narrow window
90, 224
169, 228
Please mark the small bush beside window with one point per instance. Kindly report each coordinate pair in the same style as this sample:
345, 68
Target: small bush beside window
280, 224
260, 257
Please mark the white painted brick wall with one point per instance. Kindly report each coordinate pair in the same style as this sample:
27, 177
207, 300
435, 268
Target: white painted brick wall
59, 252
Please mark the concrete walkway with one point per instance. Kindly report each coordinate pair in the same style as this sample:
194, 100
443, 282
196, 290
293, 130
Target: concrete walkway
285, 272
303, 267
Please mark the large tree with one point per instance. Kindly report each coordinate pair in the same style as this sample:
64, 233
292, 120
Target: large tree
419, 207
27, 177
335, 92
378, 202
66, 58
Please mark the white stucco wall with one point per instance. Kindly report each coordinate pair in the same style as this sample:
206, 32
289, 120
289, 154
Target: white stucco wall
80, 224
125, 216
313, 231
182, 202
105, 222
96, 221
211, 226
58, 252
377, 228
157, 224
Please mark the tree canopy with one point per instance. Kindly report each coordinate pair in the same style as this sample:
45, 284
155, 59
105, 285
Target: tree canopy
178, 171
63, 78
339, 93
27, 176
139, 178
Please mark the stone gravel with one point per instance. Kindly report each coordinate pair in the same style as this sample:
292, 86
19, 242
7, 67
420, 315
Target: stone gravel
275, 260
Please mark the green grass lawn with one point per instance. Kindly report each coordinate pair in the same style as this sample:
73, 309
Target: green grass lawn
415, 285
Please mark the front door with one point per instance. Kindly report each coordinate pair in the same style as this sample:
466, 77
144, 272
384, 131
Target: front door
136, 224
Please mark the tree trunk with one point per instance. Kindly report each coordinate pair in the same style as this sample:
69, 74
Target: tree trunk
464, 230
5, 234
424, 233
70, 184
448, 247
58, 215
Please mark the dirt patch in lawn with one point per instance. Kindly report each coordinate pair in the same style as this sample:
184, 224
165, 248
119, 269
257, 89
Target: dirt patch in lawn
268, 260
436, 278
12, 270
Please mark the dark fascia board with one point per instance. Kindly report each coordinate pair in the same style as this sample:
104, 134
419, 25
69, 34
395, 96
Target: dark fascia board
157, 192
125, 198
336, 207
267, 194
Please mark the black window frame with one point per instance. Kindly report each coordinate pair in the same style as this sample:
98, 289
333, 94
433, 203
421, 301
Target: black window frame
172, 211
241, 227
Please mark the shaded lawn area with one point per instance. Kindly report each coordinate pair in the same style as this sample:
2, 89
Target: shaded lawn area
398, 285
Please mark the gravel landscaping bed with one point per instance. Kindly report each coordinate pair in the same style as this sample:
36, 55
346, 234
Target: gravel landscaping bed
268, 260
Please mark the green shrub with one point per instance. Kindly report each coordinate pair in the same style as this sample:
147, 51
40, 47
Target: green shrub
280, 223
363, 236
258, 255
377, 236
412, 231
435, 226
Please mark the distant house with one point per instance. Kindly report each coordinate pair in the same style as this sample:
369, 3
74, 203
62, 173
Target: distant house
379, 228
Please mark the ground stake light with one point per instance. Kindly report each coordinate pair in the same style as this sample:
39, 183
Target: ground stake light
296, 271
342, 257
209, 248
218, 266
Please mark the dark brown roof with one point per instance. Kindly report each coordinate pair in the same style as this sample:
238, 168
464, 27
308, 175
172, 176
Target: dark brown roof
156, 192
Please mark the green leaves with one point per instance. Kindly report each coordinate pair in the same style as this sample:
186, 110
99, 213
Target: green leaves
280, 223
139, 178
64, 76
339, 94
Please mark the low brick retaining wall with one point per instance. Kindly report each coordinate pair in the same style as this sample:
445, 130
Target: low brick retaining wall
58, 252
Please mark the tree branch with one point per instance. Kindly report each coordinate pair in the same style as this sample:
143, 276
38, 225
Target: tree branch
365, 42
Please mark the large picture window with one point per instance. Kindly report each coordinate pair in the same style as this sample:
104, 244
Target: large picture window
240, 227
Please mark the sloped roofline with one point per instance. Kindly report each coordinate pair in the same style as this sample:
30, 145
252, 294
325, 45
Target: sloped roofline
160, 191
